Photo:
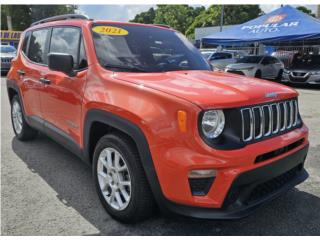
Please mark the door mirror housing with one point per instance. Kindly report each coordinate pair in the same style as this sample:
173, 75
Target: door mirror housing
61, 62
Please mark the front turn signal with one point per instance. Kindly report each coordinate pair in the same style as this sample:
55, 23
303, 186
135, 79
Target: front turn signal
182, 121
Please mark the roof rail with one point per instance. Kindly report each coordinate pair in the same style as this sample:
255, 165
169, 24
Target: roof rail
61, 17
161, 25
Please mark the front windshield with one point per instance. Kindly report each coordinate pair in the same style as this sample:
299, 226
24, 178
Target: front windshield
250, 59
311, 61
122, 47
7, 49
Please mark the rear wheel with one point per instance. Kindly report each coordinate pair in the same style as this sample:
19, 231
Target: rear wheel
20, 127
120, 179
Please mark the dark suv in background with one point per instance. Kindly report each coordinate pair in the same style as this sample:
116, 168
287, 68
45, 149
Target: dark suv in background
304, 69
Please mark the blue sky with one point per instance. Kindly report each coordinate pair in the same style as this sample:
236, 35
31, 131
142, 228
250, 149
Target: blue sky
127, 12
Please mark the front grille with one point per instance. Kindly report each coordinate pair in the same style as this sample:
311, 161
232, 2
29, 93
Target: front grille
6, 60
235, 72
267, 120
279, 151
268, 187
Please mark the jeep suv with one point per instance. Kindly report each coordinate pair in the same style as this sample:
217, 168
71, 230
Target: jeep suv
141, 105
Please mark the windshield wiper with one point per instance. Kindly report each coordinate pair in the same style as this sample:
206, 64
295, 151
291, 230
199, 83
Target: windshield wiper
130, 68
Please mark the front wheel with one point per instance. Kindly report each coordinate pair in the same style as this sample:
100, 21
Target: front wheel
258, 74
120, 179
20, 127
279, 76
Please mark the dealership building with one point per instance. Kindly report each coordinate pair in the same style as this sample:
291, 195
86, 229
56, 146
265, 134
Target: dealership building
10, 37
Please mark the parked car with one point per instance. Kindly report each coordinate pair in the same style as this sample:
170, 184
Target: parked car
7, 53
207, 53
303, 70
258, 66
156, 130
219, 60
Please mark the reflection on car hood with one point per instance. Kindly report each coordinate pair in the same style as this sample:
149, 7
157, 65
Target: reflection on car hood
240, 66
210, 89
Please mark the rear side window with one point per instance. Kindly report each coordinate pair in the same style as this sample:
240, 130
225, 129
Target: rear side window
25, 43
66, 40
38, 46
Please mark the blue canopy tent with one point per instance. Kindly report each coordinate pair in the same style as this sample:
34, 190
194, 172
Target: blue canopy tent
283, 24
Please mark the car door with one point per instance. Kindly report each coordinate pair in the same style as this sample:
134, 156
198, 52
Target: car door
267, 69
277, 66
61, 103
32, 67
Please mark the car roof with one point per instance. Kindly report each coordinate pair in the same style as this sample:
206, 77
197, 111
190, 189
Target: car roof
85, 22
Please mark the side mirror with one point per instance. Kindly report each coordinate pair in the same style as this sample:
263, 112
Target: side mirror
61, 62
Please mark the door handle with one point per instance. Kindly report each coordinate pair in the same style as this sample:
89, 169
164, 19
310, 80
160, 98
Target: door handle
45, 81
21, 72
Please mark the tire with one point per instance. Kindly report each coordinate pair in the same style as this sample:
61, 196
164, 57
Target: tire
24, 132
140, 205
279, 77
258, 74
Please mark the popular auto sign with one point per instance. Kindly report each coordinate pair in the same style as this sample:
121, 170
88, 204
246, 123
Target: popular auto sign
273, 24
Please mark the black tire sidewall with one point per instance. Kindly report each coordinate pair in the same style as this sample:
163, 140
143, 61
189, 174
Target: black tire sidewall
16, 99
128, 157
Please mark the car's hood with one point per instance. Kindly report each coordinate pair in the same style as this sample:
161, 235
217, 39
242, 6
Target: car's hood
210, 89
304, 69
240, 66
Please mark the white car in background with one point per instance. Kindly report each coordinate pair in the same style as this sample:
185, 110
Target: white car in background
207, 53
266, 67
219, 60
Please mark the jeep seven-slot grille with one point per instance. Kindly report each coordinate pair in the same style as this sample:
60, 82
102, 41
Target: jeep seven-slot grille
269, 119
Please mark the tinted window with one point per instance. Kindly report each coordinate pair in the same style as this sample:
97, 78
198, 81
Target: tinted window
250, 59
82, 56
38, 46
25, 42
145, 49
221, 55
66, 40
267, 60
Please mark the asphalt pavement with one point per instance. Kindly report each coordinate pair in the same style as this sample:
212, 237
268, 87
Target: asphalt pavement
45, 190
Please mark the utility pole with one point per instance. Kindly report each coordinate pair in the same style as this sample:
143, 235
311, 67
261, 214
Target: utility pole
318, 12
221, 17
9, 23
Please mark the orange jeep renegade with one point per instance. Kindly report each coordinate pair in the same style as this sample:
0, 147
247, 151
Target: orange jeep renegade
141, 105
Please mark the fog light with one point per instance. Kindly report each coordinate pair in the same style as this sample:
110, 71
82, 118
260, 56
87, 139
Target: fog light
200, 181
207, 173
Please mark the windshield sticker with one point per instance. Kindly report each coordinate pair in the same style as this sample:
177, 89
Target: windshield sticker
110, 30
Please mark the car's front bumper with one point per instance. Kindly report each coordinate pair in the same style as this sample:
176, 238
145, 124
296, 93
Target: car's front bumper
245, 72
5, 66
309, 79
252, 188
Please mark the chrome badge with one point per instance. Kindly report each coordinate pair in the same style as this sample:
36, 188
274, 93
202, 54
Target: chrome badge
271, 95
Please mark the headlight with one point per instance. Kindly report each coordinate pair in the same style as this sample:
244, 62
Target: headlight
212, 123
315, 73
286, 71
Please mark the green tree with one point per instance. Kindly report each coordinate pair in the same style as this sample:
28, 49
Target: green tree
23, 15
233, 14
306, 10
178, 17
20, 16
39, 12
145, 17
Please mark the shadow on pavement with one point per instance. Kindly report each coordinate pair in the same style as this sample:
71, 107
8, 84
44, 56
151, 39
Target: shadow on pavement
295, 213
